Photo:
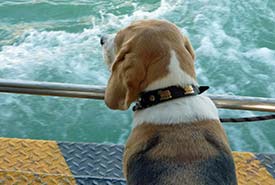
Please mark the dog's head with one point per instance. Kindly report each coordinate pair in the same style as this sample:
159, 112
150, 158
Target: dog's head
139, 55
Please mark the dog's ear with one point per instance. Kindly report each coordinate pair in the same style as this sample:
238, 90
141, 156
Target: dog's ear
189, 47
142, 54
124, 84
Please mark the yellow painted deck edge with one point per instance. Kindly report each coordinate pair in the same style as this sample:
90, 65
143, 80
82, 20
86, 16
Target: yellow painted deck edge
25, 160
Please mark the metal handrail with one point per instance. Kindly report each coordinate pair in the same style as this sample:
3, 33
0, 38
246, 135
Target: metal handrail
52, 89
97, 92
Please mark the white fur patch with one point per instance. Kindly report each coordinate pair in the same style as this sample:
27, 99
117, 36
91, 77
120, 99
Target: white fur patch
182, 110
176, 76
109, 51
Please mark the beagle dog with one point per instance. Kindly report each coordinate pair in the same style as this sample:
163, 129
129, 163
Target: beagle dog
177, 138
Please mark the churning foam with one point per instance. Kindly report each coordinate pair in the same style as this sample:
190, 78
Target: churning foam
225, 35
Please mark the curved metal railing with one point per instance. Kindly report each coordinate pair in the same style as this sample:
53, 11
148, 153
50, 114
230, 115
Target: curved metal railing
97, 92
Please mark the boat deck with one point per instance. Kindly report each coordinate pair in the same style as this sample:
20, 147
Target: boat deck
24, 161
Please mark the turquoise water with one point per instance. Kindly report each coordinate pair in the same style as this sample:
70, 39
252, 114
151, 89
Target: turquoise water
58, 41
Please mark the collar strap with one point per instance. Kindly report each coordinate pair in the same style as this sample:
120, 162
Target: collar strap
151, 98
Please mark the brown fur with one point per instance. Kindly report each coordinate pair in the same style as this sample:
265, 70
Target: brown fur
181, 142
142, 56
175, 154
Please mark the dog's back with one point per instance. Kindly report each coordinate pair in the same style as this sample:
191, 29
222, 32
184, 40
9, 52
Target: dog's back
194, 154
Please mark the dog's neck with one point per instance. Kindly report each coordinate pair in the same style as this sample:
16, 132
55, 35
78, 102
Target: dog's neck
182, 110
155, 97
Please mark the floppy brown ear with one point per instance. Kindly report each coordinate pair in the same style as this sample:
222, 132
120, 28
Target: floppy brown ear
143, 53
124, 84
189, 47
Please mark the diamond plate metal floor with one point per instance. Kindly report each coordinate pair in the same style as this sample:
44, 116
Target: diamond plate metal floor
25, 161
94, 163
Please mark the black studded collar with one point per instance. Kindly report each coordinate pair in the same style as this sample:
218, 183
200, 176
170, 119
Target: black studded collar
151, 98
